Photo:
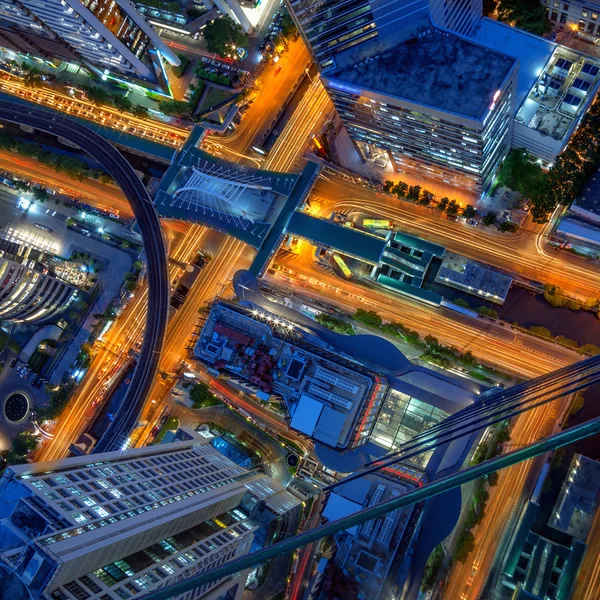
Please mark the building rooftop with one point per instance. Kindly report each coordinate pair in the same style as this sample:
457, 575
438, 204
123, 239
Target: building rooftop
590, 199
439, 69
324, 392
474, 278
366, 552
576, 505
533, 52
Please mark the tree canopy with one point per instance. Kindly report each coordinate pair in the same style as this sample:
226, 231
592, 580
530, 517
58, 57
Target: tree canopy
529, 15
222, 34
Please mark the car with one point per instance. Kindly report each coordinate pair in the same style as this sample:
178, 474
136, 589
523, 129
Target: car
155, 430
205, 59
13, 362
275, 15
86, 232
215, 63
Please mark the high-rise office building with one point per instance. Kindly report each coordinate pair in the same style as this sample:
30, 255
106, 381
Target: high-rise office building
438, 105
434, 103
332, 26
104, 35
124, 523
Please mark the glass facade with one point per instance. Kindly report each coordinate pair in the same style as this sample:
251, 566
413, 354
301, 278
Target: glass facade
330, 27
425, 143
402, 417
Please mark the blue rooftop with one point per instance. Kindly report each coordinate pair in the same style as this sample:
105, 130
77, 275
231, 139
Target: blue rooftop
533, 52
351, 242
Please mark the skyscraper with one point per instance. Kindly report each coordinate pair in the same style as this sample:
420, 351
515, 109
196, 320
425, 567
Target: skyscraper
332, 26
432, 102
104, 35
121, 524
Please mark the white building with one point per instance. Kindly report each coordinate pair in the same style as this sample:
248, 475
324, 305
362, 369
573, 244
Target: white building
106, 36
120, 524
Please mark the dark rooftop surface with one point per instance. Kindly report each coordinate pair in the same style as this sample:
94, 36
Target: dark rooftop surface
438, 69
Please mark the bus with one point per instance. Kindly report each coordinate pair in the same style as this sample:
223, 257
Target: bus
378, 223
339, 261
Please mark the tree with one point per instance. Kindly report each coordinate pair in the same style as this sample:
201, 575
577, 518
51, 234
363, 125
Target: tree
461, 302
488, 312
222, 35
174, 108
521, 173
507, 226
442, 205
541, 331
40, 194
590, 349
426, 197
388, 186
201, 396
334, 324
490, 218
469, 211
414, 191
288, 27
453, 208
529, 15
98, 95
368, 317
400, 189
139, 111
24, 443
122, 103
464, 546
179, 71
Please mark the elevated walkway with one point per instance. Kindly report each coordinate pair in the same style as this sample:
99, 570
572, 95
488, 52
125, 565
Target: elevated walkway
351, 242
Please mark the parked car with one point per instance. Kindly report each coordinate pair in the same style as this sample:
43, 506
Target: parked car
13, 362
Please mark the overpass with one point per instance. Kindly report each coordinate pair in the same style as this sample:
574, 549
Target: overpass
147, 218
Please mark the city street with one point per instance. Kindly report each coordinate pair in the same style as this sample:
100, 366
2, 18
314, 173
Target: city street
508, 349
525, 253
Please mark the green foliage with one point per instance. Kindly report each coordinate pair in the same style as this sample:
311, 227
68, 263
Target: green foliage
202, 397
337, 325
490, 218
565, 341
507, 226
453, 208
489, 7
442, 205
464, 546
71, 166
461, 302
179, 71
529, 15
590, 349
520, 173
175, 108
401, 189
486, 311
541, 331
214, 77
58, 402
222, 34
426, 198
554, 296
388, 186
469, 211
40, 194
414, 191
368, 317
432, 569
288, 27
